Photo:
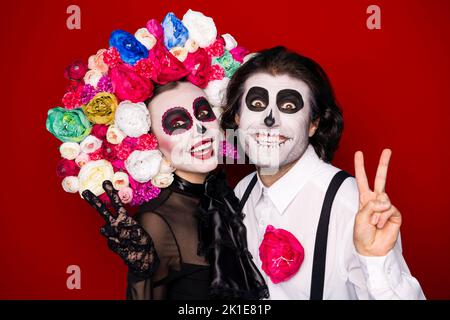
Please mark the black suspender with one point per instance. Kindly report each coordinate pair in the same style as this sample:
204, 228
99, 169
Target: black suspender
247, 192
320, 247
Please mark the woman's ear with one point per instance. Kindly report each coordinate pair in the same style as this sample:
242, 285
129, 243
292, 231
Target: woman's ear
313, 127
237, 119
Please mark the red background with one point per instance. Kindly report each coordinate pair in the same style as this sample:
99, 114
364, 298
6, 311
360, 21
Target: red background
392, 84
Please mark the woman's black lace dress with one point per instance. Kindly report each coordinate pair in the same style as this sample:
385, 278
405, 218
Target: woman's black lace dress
200, 240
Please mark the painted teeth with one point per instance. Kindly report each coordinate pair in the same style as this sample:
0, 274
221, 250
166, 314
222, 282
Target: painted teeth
202, 147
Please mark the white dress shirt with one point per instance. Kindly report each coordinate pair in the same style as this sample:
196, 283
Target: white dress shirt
294, 203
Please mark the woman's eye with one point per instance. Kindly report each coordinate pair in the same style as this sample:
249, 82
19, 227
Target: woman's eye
258, 104
203, 113
177, 124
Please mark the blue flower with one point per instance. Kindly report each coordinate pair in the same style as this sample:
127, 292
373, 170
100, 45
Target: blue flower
175, 33
130, 49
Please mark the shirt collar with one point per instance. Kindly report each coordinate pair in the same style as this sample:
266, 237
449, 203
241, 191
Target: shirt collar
283, 191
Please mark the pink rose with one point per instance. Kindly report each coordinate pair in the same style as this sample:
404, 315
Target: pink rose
198, 64
66, 168
155, 28
239, 53
281, 254
128, 85
126, 195
147, 142
217, 48
166, 67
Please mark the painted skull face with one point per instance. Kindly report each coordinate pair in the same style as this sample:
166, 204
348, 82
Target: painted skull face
186, 128
274, 119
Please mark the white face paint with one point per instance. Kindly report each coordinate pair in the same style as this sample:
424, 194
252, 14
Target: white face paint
274, 119
186, 128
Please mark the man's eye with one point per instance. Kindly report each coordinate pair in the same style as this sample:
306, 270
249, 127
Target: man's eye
288, 106
258, 104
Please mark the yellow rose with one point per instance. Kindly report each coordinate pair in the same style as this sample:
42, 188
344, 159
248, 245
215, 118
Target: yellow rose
101, 109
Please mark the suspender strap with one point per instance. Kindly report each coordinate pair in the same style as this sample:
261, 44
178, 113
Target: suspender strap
247, 192
320, 247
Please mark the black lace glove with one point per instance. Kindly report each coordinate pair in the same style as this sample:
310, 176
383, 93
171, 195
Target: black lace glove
126, 236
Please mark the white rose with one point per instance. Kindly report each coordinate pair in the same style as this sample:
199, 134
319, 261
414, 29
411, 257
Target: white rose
215, 91
230, 42
70, 184
143, 165
166, 167
162, 180
92, 175
179, 53
133, 119
114, 135
90, 144
201, 28
69, 150
120, 180
92, 77
191, 46
145, 37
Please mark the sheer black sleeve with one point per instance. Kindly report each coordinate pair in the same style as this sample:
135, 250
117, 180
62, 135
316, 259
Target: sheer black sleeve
166, 247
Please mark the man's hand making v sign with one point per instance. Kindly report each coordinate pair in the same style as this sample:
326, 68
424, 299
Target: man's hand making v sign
377, 224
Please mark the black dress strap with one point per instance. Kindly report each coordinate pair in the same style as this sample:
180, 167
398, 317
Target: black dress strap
320, 247
247, 192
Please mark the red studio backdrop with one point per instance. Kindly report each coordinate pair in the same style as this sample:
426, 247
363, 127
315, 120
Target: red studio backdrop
392, 85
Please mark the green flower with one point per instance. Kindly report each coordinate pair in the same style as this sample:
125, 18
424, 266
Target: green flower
227, 62
68, 125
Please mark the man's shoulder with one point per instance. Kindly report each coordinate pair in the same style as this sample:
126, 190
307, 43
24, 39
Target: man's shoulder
347, 195
242, 185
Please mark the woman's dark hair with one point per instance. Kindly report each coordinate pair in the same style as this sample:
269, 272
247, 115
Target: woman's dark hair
281, 61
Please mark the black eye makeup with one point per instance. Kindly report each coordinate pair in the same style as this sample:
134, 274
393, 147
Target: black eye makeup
176, 120
289, 101
257, 99
202, 110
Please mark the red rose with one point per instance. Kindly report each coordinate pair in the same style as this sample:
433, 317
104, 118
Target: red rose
129, 85
166, 67
99, 131
66, 168
281, 254
76, 70
198, 63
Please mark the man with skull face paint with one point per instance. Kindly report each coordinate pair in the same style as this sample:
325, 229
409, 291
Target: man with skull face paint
314, 231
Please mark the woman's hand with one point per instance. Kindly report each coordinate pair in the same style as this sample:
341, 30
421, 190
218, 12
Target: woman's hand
125, 236
377, 224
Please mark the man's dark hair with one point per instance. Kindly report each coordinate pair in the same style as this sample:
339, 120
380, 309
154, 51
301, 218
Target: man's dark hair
281, 61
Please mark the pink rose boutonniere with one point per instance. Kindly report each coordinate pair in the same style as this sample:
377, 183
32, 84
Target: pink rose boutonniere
281, 254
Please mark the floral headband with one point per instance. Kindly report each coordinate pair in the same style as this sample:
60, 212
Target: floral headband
104, 124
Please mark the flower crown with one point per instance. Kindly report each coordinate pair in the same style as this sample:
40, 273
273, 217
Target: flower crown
104, 124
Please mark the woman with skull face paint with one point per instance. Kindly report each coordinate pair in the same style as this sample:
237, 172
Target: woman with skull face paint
190, 241
314, 231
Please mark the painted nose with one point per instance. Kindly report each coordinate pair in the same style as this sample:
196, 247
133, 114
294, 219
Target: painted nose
200, 128
269, 120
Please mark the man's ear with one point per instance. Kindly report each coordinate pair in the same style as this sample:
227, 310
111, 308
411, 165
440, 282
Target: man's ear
313, 127
237, 119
